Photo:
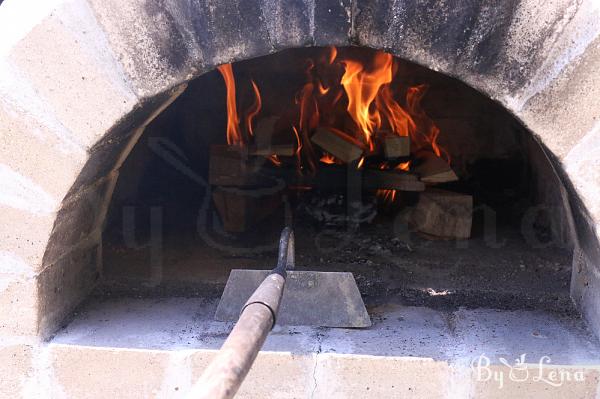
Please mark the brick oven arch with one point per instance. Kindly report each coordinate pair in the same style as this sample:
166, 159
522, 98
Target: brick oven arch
82, 80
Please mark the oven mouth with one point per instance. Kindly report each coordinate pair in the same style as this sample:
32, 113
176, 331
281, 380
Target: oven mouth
476, 256
189, 207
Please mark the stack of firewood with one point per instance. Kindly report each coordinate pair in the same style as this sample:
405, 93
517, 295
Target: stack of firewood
249, 181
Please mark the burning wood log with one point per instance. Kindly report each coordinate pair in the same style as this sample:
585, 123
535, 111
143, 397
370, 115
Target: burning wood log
240, 209
396, 146
443, 214
286, 150
229, 166
338, 144
433, 169
265, 140
391, 180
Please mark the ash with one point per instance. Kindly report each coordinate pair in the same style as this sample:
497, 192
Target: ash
334, 210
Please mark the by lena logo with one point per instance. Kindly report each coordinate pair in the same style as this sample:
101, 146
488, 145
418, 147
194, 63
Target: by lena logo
520, 371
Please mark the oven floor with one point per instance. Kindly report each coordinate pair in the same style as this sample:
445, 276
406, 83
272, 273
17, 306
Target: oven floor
158, 347
187, 323
446, 275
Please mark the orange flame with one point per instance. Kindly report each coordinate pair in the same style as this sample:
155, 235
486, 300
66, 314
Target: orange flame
275, 160
403, 166
361, 87
367, 87
328, 159
427, 132
398, 119
254, 108
387, 196
307, 121
298, 150
360, 163
332, 54
234, 136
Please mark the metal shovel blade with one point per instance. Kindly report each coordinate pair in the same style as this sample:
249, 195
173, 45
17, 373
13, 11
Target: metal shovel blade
326, 299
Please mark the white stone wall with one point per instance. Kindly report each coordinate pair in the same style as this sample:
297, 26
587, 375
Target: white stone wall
80, 79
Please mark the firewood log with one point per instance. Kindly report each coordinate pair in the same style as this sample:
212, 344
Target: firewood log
241, 209
443, 214
338, 144
433, 169
396, 146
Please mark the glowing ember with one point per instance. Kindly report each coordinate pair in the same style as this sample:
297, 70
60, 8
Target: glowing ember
360, 163
327, 159
275, 160
387, 196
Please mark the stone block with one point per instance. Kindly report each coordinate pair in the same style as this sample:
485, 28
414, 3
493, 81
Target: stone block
79, 220
88, 372
535, 382
63, 285
333, 23
273, 374
230, 31
568, 108
70, 80
380, 377
24, 235
38, 153
19, 304
15, 369
288, 23
110, 152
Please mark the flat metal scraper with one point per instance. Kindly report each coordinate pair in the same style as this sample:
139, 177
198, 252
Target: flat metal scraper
326, 299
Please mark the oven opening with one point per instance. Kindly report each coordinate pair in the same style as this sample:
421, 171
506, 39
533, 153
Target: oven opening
444, 207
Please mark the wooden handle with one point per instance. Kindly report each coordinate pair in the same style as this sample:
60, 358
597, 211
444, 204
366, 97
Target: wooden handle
227, 371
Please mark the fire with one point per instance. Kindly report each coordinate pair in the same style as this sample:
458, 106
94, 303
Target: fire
405, 166
398, 119
428, 133
362, 86
360, 163
234, 136
254, 109
328, 159
357, 97
275, 160
387, 196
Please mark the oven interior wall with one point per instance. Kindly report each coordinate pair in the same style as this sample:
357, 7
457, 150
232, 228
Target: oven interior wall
152, 243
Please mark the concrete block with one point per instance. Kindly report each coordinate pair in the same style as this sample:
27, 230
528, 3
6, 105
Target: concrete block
288, 23
70, 80
273, 375
332, 22
87, 372
38, 153
582, 165
63, 285
24, 235
193, 37
534, 381
352, 376
19, 304
568, 108
79, 219
15, 369
109, 153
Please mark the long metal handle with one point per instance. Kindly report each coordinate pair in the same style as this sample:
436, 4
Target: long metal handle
223, 377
